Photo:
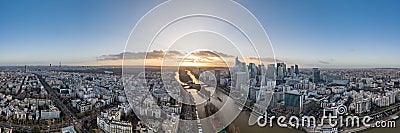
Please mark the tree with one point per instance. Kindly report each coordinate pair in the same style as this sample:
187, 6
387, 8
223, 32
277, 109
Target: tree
36, 129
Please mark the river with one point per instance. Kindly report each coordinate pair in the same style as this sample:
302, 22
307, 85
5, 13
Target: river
240, 124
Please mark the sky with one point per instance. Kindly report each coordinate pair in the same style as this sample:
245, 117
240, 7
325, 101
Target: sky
311, 33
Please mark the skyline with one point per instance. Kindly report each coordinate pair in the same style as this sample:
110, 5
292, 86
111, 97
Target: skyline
330, 34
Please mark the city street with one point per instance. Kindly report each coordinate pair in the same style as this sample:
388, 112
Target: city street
78, 124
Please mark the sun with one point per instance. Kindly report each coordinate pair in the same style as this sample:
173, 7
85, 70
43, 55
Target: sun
191, 60
191, 63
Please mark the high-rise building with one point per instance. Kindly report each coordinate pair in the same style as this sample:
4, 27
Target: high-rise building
240, 66
241, 79
271, 72
59, 66
252, 70
362, 106
217, 76
291, 70
26, 69
296, 69
253, 93
262, 74
283, 65
280, 73
293, 98
316, 75
262, 70
237, 61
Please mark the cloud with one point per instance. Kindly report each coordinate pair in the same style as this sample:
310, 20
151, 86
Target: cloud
206, 54
323, 62
173, 57
160, 54
267, 59
155, 54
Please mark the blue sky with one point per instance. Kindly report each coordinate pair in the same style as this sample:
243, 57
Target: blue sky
312, 33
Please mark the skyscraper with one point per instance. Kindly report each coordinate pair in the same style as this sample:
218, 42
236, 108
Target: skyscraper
296, 69
291, 70
217, 76
240, 66
280, 73
283, 65
237, 61
271, 72
253, 93
241, 79
59, 66
252, 70
262, 72
316, 75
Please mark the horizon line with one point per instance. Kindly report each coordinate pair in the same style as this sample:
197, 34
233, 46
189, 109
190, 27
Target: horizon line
193, 66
